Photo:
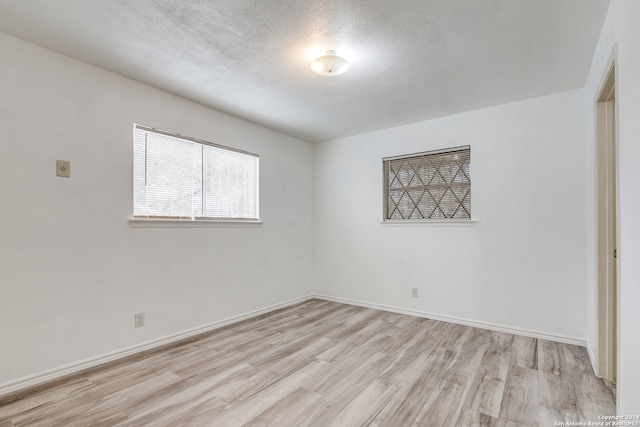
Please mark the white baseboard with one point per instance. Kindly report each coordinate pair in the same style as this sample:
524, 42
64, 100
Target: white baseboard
476, 324
593, 359
62, 371
52, 374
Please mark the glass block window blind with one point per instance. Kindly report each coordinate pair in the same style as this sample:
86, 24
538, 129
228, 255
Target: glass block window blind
430, 185
183, 178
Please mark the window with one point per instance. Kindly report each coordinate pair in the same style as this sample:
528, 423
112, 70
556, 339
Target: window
184, 178
431, 185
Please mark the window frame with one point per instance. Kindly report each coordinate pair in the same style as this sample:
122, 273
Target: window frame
422, 221
153, 221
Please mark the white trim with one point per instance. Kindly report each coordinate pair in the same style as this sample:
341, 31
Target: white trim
62, 371
460, 321
592, 359
72, 368
188, 223
429, 223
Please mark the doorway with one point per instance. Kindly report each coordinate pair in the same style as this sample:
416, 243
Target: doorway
606, 225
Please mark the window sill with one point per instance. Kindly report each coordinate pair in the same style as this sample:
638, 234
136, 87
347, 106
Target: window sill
429, 223
187, 223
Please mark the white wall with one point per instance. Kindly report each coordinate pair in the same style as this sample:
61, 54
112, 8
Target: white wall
521, 266
72, 270
621, 27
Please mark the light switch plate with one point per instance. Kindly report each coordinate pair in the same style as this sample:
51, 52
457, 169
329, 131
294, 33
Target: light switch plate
63, 168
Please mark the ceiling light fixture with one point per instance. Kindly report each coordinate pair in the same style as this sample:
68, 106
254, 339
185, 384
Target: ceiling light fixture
329, 64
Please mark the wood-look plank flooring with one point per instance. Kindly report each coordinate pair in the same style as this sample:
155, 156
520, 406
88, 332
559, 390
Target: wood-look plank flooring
325, 364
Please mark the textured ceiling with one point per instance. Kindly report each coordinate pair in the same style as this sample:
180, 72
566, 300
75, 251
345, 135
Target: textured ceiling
411, 60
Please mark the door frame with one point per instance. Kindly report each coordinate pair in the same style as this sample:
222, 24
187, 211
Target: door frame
606, 201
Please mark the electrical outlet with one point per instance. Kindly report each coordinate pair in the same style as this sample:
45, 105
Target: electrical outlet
139, 319
414, 292
63, 168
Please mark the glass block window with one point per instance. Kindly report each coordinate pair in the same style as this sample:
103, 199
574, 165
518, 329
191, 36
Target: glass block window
430, 185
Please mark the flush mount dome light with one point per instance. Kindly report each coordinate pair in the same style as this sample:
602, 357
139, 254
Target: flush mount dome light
329, 64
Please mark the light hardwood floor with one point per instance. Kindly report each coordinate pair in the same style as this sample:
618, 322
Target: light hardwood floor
326, 364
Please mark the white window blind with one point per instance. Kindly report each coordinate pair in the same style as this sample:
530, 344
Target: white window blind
179, 177
431, 185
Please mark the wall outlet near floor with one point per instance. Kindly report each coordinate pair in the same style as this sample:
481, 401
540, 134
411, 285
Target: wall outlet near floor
139, 319
414, 292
